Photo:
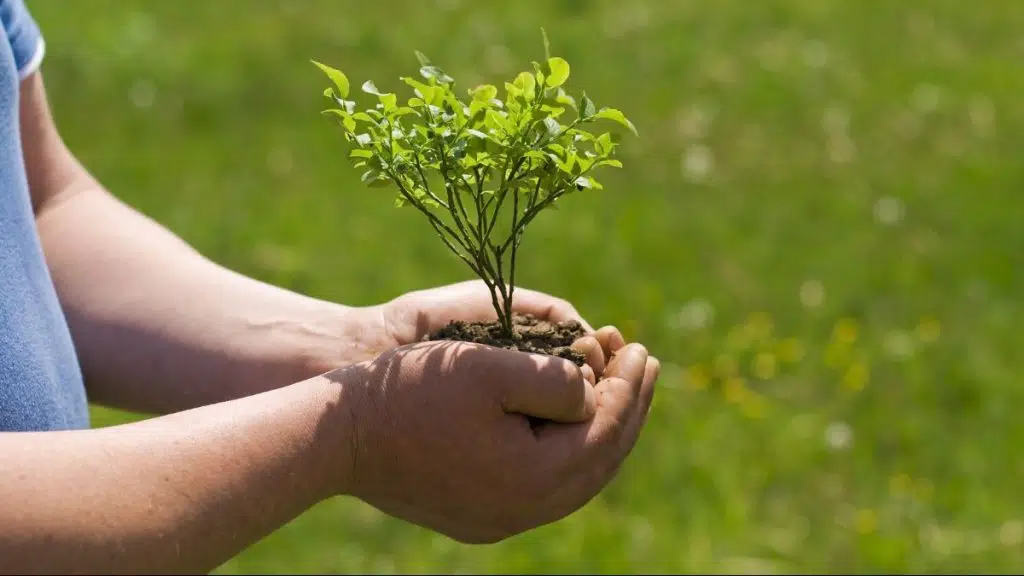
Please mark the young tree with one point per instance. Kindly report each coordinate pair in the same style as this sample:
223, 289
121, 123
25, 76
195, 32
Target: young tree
480, 169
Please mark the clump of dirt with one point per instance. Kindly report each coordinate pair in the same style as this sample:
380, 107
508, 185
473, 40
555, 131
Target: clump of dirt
531, 335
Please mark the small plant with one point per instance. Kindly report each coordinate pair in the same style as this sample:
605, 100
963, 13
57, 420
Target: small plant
480, 169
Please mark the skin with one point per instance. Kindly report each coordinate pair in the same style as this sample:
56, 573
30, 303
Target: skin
267, 402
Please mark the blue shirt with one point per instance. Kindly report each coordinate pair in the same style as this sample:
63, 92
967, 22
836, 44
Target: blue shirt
41, 385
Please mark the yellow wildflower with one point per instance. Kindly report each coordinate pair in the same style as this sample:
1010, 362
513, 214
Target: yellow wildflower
928, 330
765, 366
698, 376
866, 521
790, 350
725, 366
735, 390
845, 331
856, 376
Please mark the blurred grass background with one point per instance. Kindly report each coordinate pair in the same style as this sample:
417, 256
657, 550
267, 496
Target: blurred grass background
818, 233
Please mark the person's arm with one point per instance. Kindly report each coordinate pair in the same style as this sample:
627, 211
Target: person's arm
433, 433
157, 326
172, 494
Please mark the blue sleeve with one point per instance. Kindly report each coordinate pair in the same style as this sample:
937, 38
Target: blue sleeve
24, 35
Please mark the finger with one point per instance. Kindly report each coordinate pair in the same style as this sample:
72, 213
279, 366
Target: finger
651, 373
611, 340
628, 365
631, 431
582, 483
582, 446
547, 307
588, 374
538, 386
592, 352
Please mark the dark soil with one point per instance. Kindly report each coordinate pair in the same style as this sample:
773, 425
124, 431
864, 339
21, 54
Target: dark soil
531, 335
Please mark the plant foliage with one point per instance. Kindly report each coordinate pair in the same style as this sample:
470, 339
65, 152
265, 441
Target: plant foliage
481, 167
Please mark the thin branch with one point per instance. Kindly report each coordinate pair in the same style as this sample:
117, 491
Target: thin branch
515, 247
426, 184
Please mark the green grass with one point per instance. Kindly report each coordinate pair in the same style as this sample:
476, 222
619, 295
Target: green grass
846, 174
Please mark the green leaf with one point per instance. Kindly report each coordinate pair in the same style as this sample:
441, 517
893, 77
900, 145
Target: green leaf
425, 92
512, 90
587, 108
552, 111
390, 101
603, 144
344, 117
567, 165
559, 71
370, 88
538, 73
435, 73
424, 61
496, 120
564, 98
402, 111
608, 162
547, 45
527, 84
585, 182
336, 76
615, 116
552, 126
360, 153
484, 92
374, 179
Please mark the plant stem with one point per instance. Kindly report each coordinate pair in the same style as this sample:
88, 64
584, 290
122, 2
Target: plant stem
515, 247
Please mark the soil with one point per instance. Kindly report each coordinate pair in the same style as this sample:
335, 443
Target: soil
532, 335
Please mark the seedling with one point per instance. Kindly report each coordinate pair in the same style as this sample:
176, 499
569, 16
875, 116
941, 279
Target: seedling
479, 168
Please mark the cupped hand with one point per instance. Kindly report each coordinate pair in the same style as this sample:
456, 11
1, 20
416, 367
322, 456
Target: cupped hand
411, 316
406, 319
443, 436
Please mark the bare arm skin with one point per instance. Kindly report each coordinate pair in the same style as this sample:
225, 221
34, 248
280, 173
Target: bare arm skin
433, 433
173, 494
158, 327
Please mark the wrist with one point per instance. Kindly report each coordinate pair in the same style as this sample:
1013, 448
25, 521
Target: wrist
335, 419
335, 336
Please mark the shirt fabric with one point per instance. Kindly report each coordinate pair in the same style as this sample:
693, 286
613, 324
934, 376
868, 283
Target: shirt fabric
41, 385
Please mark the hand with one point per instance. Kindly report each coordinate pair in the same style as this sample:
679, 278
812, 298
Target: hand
442, 436
406, 319
413, 315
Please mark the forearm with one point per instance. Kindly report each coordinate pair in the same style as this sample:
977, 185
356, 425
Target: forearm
160, 328
184, 492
